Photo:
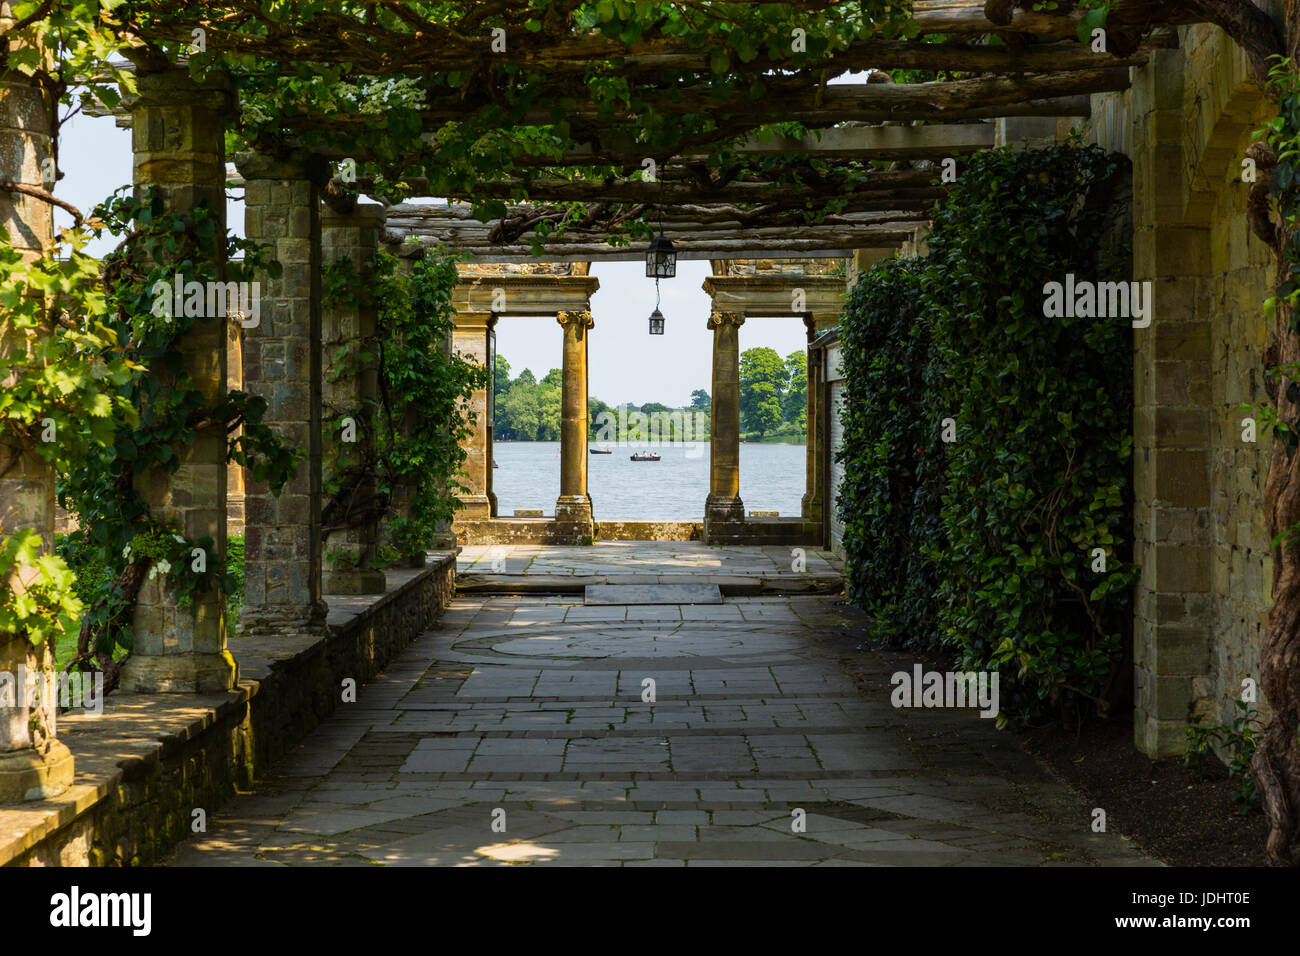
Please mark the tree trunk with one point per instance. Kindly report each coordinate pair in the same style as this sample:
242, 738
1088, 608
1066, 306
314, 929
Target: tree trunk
1277, 760
1276, 764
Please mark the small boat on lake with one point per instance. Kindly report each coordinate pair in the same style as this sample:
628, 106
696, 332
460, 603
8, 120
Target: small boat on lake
601, 451
645, 457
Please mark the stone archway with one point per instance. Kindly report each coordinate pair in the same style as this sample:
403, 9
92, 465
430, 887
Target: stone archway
482, 297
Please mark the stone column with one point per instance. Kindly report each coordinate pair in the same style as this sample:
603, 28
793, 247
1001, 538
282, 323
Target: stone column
282, 364
444, 535
471, 338
178, 137
573, 517
350, 392
235, 471
33, 763
818, 458
724, 512
814, 466
1173, 514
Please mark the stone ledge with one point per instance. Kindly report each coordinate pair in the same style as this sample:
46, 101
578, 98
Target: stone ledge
149, 760
731, 585
756, 531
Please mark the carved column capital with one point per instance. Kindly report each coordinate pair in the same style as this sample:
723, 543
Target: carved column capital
719, 319
577, 317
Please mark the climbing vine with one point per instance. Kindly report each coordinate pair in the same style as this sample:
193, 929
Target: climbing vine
411, 435
1276, 759
988, 449
56, 407
163, 413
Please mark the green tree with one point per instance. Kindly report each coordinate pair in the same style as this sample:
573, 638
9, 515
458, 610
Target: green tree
549, 401
764, 414
519, 413
794, 406
651, 407
700, 399
501, 375
554, 378
762, 379
595, 408
526, 377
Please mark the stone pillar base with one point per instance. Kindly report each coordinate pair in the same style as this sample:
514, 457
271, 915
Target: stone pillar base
724, 520
259, 620
354, 582
476, 507
1159, 738
811, 507
573, 520
180, 674
444, 540
32, 775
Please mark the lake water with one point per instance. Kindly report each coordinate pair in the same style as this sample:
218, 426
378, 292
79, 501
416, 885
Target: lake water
772, 478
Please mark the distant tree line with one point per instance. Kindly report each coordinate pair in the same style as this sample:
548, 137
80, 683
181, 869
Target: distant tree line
773, 403
529, 410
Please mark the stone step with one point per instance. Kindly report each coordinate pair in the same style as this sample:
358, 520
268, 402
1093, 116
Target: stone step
731, 585
641, 594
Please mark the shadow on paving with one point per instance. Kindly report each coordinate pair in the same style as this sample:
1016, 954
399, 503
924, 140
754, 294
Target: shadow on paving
521, 732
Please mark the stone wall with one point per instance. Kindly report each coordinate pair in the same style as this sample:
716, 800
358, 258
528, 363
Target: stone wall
1241, 576
150, 760
1199, 521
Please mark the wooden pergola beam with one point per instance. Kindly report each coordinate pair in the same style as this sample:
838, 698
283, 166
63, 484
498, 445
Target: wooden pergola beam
909, 184
429, 46
874, 102
878, 142
696, 232
861, 143
423, 217
728, 247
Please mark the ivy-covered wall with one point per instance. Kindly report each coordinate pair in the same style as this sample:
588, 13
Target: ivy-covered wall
987, 444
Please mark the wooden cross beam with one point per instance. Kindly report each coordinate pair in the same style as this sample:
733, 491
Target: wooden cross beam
875, 102
729, 247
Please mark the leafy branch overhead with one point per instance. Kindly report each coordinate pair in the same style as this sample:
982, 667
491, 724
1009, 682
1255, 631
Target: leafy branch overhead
454, 94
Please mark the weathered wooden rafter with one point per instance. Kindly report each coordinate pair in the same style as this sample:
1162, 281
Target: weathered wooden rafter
698, 232
860, 143
911, 184
728, 245
436, 219
466, 44
789, 101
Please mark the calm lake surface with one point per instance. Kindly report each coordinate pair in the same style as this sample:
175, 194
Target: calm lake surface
771, 479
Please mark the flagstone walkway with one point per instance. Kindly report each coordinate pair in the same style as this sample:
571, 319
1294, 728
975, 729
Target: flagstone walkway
521, 732
641, 559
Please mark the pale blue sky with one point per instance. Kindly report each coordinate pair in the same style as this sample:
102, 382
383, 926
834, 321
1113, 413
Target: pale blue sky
627, 364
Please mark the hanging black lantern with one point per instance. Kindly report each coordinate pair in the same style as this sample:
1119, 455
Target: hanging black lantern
656, 317
660, 258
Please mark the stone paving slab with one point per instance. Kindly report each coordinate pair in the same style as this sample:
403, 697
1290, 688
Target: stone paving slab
739, 570
645, 594
521, 734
